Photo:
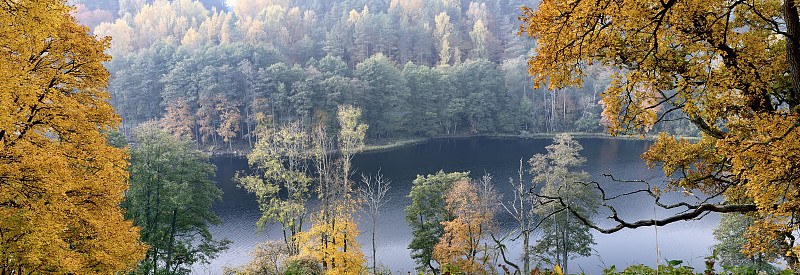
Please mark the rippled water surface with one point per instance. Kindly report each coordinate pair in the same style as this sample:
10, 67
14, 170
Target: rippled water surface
688, 241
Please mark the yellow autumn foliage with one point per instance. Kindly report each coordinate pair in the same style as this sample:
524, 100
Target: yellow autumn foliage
731, 68
60, 182
332, 241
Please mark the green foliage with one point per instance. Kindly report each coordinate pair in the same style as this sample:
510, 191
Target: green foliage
563, 236
731, 237
386, 110
673, 267
427, 212
170, 198
281, 181
676, 267
302, 266
404, 66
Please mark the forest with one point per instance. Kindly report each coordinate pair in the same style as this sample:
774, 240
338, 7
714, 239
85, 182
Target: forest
416, 68
111, 110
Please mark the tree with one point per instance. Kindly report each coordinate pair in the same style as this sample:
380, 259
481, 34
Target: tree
426, 214
425, 98
731, 237
332, 241
563, 237
384, 104
522, 211
267, 259
179, 120
731, 68
60, 181
373, 196
280, 181
479, 35
443, 31
351, 136
170, 199
229, 121
473, 204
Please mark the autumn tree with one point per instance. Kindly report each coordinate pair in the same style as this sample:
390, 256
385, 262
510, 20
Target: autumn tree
351, 136
230, 119
180, 120
563, 236
731, 237
61, 183
206, 114
170, 198
427, 213
731, 68
332, 240
462, 247
281, 180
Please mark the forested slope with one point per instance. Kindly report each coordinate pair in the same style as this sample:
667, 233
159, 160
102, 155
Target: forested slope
416, 68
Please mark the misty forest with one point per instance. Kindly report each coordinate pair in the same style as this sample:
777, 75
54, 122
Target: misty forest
399, 137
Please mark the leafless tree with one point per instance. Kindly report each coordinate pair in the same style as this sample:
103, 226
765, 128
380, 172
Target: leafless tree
373, 196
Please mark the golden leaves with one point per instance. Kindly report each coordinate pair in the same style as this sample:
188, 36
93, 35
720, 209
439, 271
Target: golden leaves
720, 64
332, 240
62, 183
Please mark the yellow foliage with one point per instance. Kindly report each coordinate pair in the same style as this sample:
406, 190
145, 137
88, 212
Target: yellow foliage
332, 241
60, 182
728, 67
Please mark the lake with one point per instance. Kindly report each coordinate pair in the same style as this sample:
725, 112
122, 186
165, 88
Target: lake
687, 241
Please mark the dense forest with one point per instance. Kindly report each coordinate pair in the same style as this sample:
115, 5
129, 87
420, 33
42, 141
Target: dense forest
416, 68
304, 83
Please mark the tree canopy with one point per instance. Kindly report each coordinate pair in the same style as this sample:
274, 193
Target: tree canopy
170, 198
61, 183
729, 67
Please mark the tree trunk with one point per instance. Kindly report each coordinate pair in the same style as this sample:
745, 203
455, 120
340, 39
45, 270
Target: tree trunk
374, 260
171, 239
793, 51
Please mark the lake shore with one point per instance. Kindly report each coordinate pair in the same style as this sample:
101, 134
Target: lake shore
393, 143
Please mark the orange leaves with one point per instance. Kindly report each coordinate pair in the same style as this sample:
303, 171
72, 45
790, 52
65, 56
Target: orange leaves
62, 183
179, 120
461, 243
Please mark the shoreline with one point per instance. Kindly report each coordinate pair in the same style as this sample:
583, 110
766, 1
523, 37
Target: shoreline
391, 144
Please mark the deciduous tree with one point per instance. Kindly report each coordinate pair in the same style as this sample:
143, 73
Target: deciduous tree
170, 199
731, 68
332, 240
563, 236
180, 120
462, 247
281, 180
426, 214
61, 183
373, 195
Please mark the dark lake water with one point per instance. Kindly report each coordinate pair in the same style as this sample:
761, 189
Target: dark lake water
687, 241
